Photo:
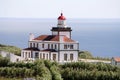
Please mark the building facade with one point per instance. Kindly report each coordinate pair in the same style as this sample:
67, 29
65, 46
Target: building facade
115, 61
58, 46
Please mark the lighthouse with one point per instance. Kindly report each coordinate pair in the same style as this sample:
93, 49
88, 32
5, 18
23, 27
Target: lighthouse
58, 46
61, 28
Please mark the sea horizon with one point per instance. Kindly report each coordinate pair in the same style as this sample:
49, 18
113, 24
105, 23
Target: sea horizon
98, 36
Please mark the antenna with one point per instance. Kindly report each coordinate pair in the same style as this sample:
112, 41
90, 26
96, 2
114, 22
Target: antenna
61, 11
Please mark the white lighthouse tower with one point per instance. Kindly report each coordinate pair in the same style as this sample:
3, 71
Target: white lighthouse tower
61, 21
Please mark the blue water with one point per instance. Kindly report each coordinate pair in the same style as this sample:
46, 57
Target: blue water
99, 36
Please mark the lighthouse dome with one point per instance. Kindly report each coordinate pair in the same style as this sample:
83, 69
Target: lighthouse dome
61, 17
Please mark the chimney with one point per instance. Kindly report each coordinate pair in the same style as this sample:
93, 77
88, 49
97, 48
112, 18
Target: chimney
31, 37
61, 38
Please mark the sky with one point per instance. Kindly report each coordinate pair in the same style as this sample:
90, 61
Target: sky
52, 8
84, 10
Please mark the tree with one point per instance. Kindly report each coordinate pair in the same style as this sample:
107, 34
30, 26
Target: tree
85, 54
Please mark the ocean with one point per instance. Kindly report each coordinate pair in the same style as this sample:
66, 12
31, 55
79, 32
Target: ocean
101, 37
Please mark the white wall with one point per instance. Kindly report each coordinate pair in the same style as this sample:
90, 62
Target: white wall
4, 54
75, 55
61, 23
12, 56
66, 33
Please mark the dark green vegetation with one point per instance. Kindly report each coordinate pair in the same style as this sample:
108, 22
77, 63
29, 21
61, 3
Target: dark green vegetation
89, 71
40, 69
3, 78
46, 70
88, 55
11, 49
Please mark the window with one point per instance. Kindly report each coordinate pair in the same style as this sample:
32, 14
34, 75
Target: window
65, 46
54, 57
33, 44
26, 55
68, 46
71, 57
51, 46
48, 46
43, 56
42, 45
115, 63
29, 54
71, 46
47, 56
65, 57
30, 44
55, 46
36, 55
37, 45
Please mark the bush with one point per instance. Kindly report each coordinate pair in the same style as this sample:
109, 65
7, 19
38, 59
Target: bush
4, 61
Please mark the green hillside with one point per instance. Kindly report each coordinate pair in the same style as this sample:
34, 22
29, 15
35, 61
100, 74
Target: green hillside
11, 49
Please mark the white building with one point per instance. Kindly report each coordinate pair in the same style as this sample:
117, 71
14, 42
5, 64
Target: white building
115, 61
56, 47
11, 56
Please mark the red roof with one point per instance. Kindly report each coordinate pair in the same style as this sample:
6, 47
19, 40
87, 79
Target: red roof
117, 59
47, 38
66, 39
53, 38
61, 17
